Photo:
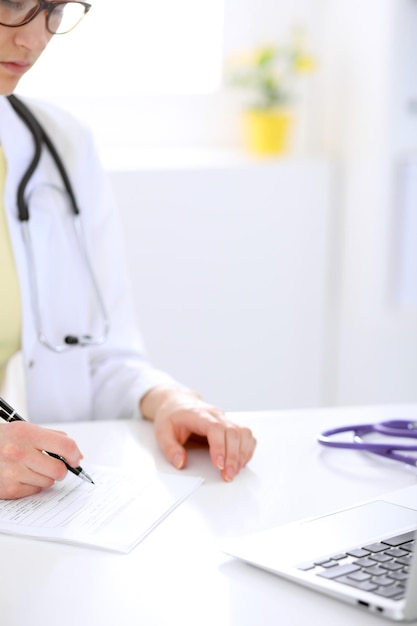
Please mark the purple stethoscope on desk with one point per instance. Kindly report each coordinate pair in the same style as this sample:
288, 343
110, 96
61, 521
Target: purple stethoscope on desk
388, 449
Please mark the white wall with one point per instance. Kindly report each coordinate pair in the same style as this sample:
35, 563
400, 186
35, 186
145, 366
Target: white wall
360, 110
229, 268
373, 53
119, 118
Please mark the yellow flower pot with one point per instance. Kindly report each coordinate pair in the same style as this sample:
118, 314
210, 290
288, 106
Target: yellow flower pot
267, 131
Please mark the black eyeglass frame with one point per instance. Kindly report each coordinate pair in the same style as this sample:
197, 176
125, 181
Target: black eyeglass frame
49, 7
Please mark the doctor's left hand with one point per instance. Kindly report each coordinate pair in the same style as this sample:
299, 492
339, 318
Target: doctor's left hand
178, 415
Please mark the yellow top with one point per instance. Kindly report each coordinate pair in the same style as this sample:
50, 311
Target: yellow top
10, 305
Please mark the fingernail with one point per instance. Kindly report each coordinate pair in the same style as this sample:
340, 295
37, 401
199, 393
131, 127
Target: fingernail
220, 462
230, 473
177, 461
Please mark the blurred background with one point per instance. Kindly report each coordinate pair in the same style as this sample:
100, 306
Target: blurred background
264, 280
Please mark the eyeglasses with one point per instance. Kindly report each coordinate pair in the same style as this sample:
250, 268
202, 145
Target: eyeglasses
61, 17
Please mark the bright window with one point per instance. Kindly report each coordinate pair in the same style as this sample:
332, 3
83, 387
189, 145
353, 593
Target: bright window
132, 47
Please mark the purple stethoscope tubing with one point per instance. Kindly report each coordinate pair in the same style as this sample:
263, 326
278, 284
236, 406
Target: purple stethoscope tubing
389, 450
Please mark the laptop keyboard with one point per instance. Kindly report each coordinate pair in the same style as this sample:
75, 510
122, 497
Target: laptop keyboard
381, 568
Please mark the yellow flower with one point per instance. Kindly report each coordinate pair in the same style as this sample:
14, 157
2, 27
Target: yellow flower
266, 73
304, 63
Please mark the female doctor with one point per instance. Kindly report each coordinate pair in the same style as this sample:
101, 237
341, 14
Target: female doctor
72, 316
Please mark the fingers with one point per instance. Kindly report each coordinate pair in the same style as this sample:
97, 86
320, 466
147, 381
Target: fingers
17, 481
24, 467
17, 490
59, 443
231, 447
20, 481
170, 438
48, 468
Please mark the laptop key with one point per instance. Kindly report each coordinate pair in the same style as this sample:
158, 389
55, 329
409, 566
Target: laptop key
400, 539
394, 592
383, 581
359, 576
358, 553
364, 585
375, 570
405, 560
339, 570
408, 546
396, 552
365, 562
398, 575
304, 567
375, 547
381, 557
391, 566
327, 562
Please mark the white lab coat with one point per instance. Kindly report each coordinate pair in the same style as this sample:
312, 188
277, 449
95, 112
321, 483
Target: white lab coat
101, 382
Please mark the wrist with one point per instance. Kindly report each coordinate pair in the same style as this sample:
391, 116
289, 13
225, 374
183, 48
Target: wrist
157, 397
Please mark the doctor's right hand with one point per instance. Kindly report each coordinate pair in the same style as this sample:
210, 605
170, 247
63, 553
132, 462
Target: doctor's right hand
24, 468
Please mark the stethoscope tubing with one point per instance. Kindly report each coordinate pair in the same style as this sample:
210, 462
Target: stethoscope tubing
390, 450
41, 137
397, 428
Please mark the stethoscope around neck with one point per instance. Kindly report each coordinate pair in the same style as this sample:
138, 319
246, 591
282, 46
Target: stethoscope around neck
41, 138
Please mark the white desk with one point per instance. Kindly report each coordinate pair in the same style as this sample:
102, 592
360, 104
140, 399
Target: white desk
178, 575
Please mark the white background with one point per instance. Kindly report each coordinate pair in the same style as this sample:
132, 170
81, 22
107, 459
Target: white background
358, 112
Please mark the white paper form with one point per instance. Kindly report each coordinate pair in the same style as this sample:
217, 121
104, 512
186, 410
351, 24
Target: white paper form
115, 513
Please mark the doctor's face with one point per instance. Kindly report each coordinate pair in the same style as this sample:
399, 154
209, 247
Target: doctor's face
26, 27
20, 48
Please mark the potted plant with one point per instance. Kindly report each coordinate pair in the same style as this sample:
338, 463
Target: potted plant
268, 75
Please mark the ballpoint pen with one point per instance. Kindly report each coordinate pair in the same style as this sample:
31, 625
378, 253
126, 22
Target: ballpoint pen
8, 414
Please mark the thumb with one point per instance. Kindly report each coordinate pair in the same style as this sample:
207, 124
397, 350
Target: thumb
171, 447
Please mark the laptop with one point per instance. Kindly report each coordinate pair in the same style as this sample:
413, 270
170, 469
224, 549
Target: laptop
362, 555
